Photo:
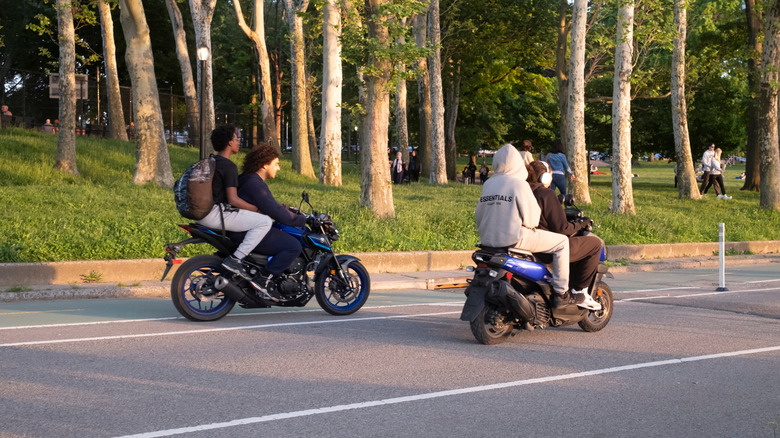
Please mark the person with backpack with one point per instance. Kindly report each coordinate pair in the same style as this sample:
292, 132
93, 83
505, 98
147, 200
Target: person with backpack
230, 211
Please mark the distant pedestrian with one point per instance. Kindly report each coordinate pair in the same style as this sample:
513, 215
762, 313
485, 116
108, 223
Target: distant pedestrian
706, 163
5, 111
483, 173
47, 127
472, 171
526, 151
559, 166
131, 131
414, 168
397, 169
716, 175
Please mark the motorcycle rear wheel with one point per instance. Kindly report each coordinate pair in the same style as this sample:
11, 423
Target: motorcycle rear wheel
193, 292
338, 298
492, 326
597, 320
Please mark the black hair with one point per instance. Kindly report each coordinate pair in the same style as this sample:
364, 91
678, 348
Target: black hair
221, 136
259, 157
556, 147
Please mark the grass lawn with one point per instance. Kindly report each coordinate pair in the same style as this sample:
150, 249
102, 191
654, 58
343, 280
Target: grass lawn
52, 216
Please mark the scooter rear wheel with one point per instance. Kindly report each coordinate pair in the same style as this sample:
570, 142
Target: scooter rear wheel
492, 325
597, 320
193, 292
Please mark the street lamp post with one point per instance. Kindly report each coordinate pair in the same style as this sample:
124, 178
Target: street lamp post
203, 56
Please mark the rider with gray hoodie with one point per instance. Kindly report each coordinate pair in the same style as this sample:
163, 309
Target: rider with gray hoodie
508, 215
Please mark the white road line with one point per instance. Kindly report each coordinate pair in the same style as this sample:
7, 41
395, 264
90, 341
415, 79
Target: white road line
169, 318
698, 294
220, 329
654, 290
439, 394
763, 281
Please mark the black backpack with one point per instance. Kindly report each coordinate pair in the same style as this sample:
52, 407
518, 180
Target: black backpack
193, 192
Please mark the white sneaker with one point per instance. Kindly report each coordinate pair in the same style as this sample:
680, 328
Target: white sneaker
589, 302
726, 197
720, 196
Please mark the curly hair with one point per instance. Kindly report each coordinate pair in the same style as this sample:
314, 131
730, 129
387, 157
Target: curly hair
535, 170
221, 136
258, 157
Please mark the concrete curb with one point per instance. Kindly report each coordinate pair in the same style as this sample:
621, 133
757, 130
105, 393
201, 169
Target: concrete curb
380, 281
133, 271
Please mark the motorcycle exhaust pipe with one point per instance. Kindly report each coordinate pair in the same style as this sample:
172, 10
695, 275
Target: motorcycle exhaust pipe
517, 302
230, 290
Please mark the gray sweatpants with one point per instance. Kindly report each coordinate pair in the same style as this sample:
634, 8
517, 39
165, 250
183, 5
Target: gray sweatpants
550, 243
255, 224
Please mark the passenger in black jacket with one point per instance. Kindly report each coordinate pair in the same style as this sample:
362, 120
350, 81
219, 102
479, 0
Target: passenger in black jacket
261, 164
584, 251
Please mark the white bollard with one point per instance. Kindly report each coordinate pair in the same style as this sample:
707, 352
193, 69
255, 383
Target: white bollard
722, 257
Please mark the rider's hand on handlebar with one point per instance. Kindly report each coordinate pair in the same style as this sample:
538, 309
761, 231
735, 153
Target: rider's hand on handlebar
311, 220
585, 222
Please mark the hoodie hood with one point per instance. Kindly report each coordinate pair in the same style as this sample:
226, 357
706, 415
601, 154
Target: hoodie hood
508, 161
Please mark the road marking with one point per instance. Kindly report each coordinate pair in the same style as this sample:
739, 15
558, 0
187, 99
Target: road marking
221, 329
440, 394
169, 318
698, 294
41, 311
763, 281
654, 290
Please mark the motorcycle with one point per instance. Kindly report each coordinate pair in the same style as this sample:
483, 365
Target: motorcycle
202, 290
511, 290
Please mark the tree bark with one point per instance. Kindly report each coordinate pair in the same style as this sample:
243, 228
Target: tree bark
401, 126
152, 159
330, 132
187, 79
424, 95
753, 149
314, 152
686, 176
438, 170
576, 109
561, 67
202, 14
375, 189
257, 35
116, 115
65, 159
451, 119
622, 188
768, 110
301, 158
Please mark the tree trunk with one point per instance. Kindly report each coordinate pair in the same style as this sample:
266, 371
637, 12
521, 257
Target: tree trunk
561, 68
257, 35
330, 132
451, 119
375, 189
576, 109
276, 60
116, 116
438, 170
301, 158
753, 149
202, 14
401, 126
187, 80
424, 95
686, 176
152, 159
65, 159
768, 129
314, 152
622, 188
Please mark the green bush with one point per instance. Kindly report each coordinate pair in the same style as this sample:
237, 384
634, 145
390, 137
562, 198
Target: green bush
53, 216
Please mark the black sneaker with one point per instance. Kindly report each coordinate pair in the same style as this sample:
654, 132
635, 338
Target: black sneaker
234, 265
568, 298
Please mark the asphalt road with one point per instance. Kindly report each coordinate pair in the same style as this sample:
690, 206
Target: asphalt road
677, 359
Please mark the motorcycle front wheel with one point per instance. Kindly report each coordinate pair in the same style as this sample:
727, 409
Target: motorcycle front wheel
193, 292
598, 319
339, 298
492, 325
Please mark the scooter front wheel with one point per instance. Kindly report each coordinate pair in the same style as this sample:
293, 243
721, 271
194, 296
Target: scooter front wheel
193, 292
598, 319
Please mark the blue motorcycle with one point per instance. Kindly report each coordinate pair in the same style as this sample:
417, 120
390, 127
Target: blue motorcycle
202, 290
511, 291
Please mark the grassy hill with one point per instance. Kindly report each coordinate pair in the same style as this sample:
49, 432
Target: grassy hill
52, 216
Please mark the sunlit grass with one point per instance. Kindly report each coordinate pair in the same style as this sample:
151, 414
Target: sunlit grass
52, 216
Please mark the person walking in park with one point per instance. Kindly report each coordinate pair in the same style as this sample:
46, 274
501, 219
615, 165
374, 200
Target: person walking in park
6, 112
559, 166
716, 175
414, 168
706, 160
230, 211
483, 173
472, 171
397, 169
47, 127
